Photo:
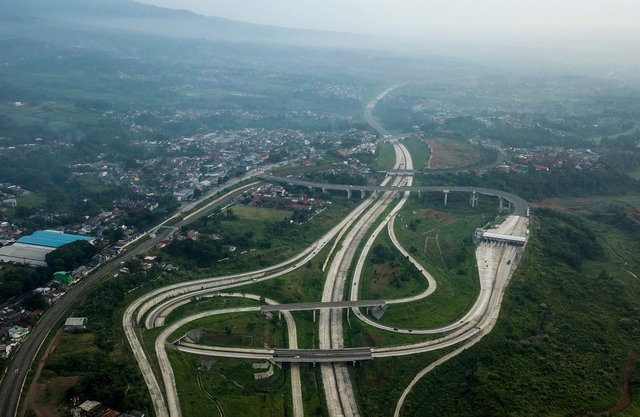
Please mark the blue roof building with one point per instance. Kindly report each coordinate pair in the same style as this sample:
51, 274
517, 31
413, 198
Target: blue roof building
52, 239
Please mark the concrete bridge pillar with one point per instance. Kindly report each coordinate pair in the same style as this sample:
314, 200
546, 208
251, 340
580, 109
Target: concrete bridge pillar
446, 194
474, 199
375, 194
362, 194
500, 208
348, 193
324, 190
314, 315
310, 188
419, 194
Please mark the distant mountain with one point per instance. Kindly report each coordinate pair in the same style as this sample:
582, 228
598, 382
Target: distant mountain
131, 16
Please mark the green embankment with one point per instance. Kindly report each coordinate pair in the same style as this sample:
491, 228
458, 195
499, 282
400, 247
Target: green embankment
419, 151
386, 157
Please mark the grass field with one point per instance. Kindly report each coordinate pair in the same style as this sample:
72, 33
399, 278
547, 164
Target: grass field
379, 383
457, 276
395, 278
451, 154
419, 151
635, 174
231, 383
209, 303
260, 214
386, 157
237, 330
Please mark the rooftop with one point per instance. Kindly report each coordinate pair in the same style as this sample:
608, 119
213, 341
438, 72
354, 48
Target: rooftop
52, 239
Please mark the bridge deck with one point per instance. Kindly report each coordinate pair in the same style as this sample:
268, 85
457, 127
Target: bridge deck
320, 305
319, 355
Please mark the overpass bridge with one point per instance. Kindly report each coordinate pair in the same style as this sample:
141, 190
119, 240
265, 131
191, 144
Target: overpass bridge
321, 305
322, 356
521, 208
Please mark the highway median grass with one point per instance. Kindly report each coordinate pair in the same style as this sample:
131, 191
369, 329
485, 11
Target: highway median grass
201, 379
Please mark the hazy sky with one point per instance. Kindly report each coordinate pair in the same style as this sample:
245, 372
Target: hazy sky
464, 20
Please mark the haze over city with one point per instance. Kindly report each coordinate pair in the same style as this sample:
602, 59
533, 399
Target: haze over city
319, 208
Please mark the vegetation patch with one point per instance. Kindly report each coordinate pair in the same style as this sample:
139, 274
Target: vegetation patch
450, 154
202, 381
419, 151
560, 345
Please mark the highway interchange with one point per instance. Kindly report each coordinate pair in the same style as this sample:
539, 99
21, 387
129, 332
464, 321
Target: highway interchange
151, 309
332, 355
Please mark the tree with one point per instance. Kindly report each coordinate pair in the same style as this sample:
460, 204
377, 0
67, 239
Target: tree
72, 254
34, 301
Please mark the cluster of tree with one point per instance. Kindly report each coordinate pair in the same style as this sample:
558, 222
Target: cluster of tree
142, 219
341, 177
622, 142
277, 157
381, 254
70, 256
568, 238
17, 280
204, 251
116, 383
538, 185
278, 228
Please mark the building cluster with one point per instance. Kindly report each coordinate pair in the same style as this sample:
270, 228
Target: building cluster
14, 327
8, 194
9, 233
32, 250
544, 158
275, 196
203, 161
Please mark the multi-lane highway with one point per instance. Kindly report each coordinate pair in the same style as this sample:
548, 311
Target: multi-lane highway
351, 231
156, 305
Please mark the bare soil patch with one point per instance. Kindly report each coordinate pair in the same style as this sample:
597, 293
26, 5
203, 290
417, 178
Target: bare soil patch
436, 215
625, 386
450, 154
49, 396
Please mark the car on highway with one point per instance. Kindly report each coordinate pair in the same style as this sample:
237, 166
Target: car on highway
296, 357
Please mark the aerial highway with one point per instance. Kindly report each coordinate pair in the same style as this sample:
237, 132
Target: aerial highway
340, 398
520, 204
337, 382
167, 372
369, 117
332, 354
183, 291
494, 270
